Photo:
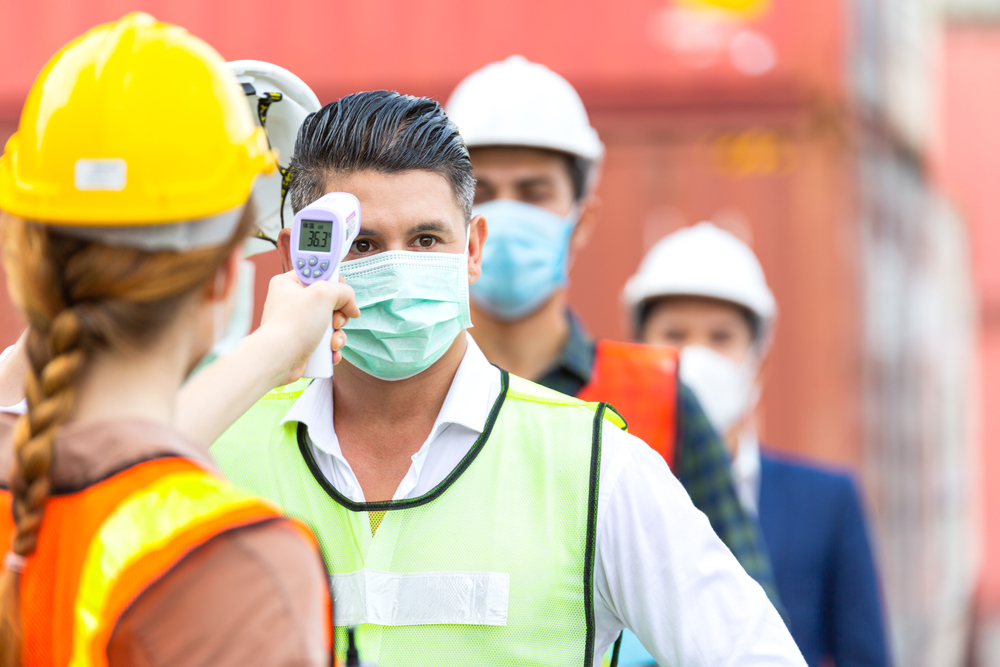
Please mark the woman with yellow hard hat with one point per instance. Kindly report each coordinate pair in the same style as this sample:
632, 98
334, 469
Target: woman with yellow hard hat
125, 195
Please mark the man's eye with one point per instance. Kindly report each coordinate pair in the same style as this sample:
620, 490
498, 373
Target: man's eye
537, 196
721, 337
362, 246
426, 241
483, 195
676, 337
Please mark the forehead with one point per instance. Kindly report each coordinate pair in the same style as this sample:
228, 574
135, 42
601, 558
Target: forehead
694, 310
401, 199
517, 162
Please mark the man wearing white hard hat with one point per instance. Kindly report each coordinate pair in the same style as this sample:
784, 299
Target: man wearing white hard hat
703, 290
536, 160
279, 101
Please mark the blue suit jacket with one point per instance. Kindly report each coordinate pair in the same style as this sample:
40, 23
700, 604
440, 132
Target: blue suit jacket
815, 532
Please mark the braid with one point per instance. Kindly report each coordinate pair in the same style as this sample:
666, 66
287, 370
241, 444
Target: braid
79, 297
56, 359
55, 364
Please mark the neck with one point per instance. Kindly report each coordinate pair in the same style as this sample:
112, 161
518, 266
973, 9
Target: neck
527, 347
381, 424
13, 370
134, 385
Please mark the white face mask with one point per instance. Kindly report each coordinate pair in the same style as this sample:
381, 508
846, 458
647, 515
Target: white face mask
227, 335
413, 306
726, 390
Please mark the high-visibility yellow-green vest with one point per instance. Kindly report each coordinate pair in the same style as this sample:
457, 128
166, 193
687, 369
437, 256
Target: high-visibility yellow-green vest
494, 566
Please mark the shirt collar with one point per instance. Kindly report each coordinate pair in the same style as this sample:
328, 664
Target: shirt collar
467, 403
468, 400
746, 471
314, 408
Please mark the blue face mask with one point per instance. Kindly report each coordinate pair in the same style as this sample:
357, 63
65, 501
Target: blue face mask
525, 258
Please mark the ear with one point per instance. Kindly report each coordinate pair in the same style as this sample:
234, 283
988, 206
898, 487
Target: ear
285, 248
584, 229
764, 365
477, 237
222, 286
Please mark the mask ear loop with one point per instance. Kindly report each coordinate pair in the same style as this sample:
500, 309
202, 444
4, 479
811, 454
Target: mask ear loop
574, 214
465, 279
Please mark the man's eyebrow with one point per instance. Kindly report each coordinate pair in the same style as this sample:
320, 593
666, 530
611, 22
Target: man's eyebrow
529, 181
433, 226
365, 231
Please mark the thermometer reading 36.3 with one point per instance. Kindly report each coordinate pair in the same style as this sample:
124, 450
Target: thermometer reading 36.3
315, 236
322, 234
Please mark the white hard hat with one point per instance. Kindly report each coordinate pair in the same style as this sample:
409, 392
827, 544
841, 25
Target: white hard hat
280, 101
519, 103
704, 260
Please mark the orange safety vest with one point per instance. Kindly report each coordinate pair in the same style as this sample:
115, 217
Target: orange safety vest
100, 547
640, 382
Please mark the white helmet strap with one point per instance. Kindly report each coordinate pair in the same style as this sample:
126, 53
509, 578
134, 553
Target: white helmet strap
264, 102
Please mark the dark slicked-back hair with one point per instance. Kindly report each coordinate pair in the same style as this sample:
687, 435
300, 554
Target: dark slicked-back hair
379, 131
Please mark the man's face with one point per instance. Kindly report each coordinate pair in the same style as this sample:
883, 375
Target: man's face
682, 321
414, 211
528, 175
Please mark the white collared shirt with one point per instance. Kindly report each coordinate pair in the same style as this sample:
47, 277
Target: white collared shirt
746, 472
462, 419
660, 569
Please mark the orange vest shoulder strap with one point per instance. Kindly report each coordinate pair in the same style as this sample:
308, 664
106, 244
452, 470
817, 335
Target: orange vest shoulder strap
72, 517
145, 536
640, 381
116, 538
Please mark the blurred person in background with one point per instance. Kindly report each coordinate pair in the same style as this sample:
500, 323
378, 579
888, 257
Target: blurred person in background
124, 219
703, 290
469, 516
537, 160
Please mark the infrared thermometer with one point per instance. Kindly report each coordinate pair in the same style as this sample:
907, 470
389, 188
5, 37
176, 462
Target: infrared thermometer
322, 235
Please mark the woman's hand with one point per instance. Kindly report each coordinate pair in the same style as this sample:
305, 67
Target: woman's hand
294, 321
295, 318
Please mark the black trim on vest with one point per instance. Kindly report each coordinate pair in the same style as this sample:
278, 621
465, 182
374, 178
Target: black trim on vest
389, 505
620, 415
616, 650
591, 548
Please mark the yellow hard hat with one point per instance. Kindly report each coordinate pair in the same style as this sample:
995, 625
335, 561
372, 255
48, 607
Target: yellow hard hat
134, 123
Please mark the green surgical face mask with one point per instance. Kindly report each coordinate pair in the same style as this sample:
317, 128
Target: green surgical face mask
413, 305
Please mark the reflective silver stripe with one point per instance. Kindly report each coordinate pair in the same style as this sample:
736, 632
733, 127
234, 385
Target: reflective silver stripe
422, 598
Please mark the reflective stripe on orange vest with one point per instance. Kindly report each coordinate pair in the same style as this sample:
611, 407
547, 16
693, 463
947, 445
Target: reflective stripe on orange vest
88, 569
640, 382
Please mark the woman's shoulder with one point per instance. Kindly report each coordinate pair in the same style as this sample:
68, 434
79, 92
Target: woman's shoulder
249, 596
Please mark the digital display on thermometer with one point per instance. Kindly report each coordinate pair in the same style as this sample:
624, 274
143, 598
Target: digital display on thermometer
315, 235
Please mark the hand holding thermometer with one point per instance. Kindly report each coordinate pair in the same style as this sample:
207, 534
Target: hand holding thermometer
322, 234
